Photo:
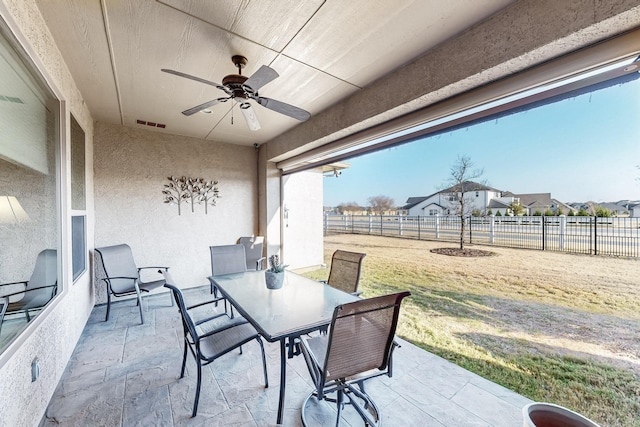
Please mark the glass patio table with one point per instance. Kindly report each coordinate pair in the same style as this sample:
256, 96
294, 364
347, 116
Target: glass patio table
301, 306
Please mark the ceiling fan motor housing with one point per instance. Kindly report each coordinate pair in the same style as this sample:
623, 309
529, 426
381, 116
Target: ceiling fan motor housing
235, 83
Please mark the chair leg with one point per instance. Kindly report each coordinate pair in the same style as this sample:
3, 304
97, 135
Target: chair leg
340, 403
108, 304
139, 304
370, 413
264, 363
184, 359
195, 403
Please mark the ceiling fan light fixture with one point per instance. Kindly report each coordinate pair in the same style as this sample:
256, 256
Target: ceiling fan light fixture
206, 111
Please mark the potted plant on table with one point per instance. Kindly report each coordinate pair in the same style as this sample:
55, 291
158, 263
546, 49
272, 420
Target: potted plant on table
274, 275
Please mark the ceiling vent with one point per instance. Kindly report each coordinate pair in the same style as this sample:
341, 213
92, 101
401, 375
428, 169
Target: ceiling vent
152, 124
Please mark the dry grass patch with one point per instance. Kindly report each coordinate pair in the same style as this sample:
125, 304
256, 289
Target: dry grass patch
552, 326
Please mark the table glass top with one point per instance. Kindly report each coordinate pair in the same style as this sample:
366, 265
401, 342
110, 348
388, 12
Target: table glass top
300, 306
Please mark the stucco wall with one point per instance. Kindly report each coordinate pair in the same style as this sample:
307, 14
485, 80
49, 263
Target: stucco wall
52, 336
131, 167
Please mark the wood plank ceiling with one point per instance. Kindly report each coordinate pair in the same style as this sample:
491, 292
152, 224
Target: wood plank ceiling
323, 50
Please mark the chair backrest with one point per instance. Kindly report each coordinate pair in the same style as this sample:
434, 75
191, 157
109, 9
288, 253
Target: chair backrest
45, 271
187, 321
345, 270
227, 259
253, 247
361, 336
117, 261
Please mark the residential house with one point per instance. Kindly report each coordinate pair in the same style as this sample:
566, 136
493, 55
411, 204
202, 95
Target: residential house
618, 209
92, 129
483, 199
634, 209
479, 197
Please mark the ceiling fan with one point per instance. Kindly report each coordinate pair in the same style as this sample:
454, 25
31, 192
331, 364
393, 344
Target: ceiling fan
242, 89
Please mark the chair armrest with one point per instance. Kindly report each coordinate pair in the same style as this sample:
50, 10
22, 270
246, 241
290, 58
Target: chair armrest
13, 283
311, 359
119, 277
236, 321
205, 303
394, 345
159, 268
28, 290
259, 262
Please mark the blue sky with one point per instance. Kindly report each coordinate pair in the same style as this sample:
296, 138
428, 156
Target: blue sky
580, 149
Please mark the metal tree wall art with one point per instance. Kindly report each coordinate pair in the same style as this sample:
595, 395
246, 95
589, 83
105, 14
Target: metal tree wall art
209, 193
191, 190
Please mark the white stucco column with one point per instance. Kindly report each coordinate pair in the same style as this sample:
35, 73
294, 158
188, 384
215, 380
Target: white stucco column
269, 203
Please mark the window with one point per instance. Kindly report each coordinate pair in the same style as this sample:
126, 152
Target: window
78, 200
29, 228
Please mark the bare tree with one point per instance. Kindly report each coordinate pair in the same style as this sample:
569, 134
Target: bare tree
347, 207
380, 204
459, 185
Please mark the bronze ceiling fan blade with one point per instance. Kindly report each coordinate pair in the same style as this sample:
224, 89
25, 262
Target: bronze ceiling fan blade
203, 106
283, 108
260, 78
197, 79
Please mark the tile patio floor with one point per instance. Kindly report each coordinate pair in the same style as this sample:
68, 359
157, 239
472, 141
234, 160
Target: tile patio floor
125, 374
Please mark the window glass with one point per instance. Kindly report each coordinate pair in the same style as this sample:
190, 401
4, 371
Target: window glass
78, 195
28, 193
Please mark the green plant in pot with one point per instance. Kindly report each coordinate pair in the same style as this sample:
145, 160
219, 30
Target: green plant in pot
274, 275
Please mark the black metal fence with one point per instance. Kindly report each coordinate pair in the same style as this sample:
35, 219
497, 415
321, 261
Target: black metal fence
586, 235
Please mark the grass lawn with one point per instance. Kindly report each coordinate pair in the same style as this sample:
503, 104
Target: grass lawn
553, 327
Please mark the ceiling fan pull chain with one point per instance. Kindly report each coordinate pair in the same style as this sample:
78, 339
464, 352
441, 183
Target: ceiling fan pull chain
232, 114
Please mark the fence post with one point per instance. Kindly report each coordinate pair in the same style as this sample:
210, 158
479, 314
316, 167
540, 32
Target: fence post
563, 230
437, 226
544, 229
419, 220
381, 225
595, 235
326, 224
370, 224
492, 228
400, 225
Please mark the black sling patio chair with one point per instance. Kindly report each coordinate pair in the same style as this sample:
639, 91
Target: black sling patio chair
211, 338
253, 248
226, 259
122, 276
345, 271
358, 347
38, 290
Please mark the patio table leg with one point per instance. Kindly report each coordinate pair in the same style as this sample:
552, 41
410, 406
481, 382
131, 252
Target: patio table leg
283, 378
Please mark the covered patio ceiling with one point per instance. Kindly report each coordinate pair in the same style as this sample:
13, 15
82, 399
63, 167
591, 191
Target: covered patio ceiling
324, 51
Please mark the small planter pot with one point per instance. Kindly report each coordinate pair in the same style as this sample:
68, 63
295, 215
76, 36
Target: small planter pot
274, 280
540, 414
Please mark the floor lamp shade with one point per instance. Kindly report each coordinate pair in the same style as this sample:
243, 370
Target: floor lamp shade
11, 212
